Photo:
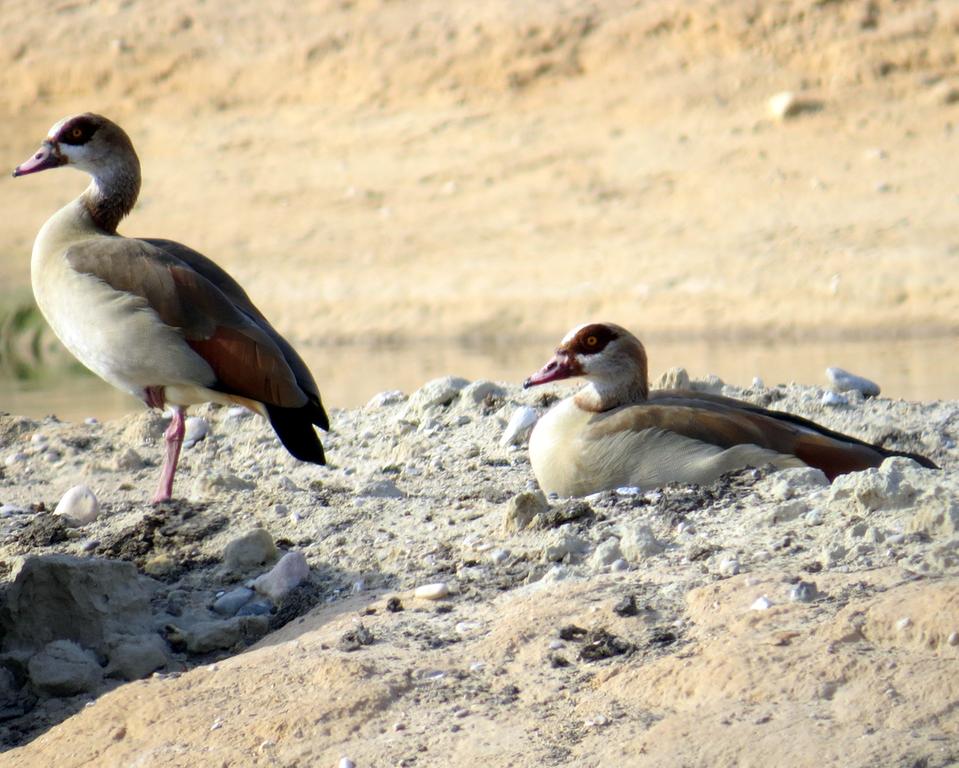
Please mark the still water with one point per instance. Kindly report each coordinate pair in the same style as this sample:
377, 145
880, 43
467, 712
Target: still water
924, 369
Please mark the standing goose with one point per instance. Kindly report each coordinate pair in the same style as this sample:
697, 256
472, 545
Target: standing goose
154, 317
614, 432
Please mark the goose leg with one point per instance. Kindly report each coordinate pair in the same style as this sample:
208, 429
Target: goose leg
174, 440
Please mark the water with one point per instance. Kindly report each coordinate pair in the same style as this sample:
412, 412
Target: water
924, 369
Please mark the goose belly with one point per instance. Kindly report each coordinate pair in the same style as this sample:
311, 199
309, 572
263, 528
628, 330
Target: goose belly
115, 334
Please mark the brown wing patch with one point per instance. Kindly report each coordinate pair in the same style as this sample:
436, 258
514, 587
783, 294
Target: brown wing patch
251, 367
591, 339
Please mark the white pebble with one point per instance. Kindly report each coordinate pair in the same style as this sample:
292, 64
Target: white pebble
289, 572
91, 421
15, 458
477, 666
813, 517
843, 381
619, 565
519, 426
757, 383
382, 399
238, 412
38, 438
197, 428
953, 638
499, 556
761, 604
78, 506
436, 591
904, 623
465, 627
345, 762
832, 399
784, 104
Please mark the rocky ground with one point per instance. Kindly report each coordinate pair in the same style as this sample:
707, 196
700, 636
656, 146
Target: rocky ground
448, 613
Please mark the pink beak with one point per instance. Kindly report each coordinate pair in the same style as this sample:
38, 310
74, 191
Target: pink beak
46, 157
559, 367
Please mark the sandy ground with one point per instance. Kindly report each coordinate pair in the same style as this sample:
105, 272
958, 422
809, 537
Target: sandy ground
426, 172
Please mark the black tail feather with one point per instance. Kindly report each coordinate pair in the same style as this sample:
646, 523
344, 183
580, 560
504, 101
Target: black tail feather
916, 457
294, 427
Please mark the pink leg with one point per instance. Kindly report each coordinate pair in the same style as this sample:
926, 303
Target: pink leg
174, 439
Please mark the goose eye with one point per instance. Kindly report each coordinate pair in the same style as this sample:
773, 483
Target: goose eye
76, 133
591, 341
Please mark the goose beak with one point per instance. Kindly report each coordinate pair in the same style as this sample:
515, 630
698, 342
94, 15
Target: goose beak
48, 156
561, 366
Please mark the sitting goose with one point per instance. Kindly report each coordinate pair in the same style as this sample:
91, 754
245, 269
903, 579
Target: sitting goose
154, 317
614, 432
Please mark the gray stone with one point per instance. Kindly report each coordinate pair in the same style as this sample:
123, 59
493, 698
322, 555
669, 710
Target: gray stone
61, 597
673, 378
137, 657
476, 393
206, 636
250, 550
291, 571
63, 668
843, 381
434, 395
522, 508
607, 552
563, 545
197, 428
231, 602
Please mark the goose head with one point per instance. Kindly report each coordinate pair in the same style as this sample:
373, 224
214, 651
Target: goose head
101, 148
88, 142
608, 357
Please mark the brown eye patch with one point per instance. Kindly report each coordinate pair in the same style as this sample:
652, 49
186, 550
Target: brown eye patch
78, 131
592, 339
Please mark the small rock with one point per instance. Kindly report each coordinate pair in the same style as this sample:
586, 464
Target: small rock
761, 604
626, 606
674, 378
904, 623
291, 571
619, 565
813, 517
638, 542
256, 608
137, 657
565, 545
250, 550
345, 762
476, 394
499, 556
383, 399
435, 591
229, 603
63, 668
78, 506
729, 567
522, 508
197, 428
832, 399
784, 105
607, 552
356, 638
15, 458
520, 425
843, 381
757, 384
953, 638
803, 592
434, 395
206, 636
